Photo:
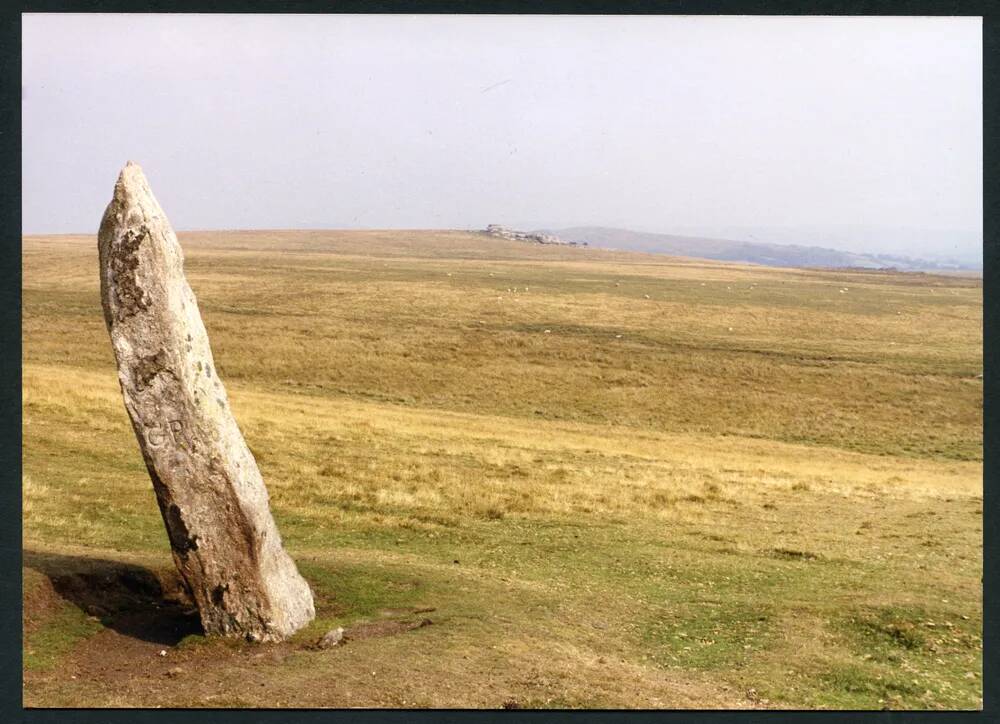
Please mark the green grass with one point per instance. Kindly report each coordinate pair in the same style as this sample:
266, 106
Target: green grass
351, 593
45, 647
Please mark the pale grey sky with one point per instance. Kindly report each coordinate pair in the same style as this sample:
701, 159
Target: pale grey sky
853, 131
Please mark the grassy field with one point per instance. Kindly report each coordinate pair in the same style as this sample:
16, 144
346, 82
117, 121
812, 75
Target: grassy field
606, 479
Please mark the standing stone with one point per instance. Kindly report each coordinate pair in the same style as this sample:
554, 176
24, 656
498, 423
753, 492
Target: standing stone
210, 492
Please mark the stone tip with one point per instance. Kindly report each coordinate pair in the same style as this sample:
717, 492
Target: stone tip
132, 183
131, 170
133, 198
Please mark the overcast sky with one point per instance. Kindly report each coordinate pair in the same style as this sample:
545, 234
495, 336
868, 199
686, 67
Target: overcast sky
826, 128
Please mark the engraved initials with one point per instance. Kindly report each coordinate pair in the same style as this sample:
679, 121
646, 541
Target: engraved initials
157, 435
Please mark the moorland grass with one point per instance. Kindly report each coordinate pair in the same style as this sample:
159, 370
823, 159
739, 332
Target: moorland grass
619, 479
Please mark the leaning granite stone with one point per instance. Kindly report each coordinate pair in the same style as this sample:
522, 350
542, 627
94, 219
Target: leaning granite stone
210, 492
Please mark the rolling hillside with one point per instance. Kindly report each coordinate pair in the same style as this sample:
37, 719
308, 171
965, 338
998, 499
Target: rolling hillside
527, 476
780, 255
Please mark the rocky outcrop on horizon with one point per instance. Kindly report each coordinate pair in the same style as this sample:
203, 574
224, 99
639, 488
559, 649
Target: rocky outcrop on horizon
503, 232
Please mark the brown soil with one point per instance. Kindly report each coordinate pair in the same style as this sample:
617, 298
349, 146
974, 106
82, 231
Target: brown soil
375, 629
146, 613
41, 602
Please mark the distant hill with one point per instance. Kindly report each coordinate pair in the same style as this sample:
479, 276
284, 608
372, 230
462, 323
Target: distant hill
787, 255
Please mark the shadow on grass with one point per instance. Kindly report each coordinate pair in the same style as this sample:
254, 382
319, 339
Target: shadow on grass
133, 600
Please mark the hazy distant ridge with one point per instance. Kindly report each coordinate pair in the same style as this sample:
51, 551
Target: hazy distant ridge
788, 255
